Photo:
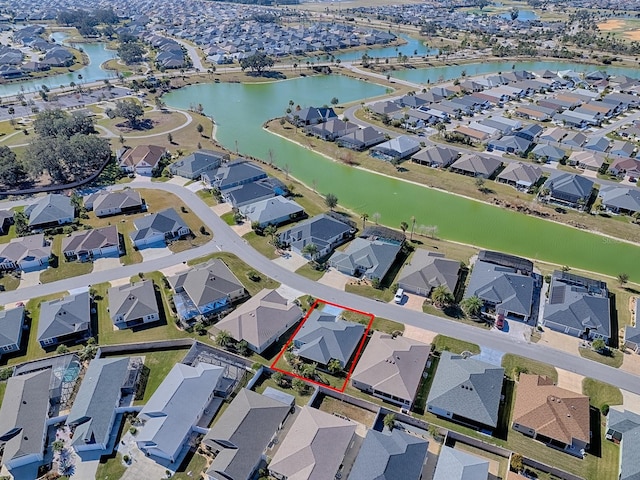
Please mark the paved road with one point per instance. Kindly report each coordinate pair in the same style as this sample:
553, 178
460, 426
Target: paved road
193, 53
225, 239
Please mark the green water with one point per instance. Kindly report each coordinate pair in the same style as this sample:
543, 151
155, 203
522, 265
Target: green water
241, 109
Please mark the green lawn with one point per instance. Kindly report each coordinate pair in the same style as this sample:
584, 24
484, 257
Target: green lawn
512, 362
309, 272
442, 343
614, 359
159, 364
385, 325
9, 282
228, 218
192, 467
600, 393
207, 197
110, 468
261, 243
3, 387
263, 383
454, 313
385, 295
64, 269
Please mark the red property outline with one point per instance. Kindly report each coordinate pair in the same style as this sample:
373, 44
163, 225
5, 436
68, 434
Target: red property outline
355, 358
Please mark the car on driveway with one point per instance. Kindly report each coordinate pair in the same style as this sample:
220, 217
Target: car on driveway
398, 296
500, 322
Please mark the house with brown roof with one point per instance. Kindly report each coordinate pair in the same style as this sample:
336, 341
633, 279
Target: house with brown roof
552, 415
142, 159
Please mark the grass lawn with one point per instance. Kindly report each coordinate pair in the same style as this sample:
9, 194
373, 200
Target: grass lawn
385, 295
512, 362
207, 197
192, 467
11, 234
309, 272
455, 314
8, 282
334, 406
110, 468
64, 269
321, 376
240, 269
614, 359
228, 218
385, 325
159, 364
600, 393
261, 243
3, 387
301, 398
442, 343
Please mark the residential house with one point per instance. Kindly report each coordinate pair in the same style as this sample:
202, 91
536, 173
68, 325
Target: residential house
361, 139
520, 175
272, 211
568, 189
622, 148
436, 156
261, 320
167, 425
632, 333
553, 415
142, 159
623, 427
325, 337
466, 391
311, 116
50, 211
625, 200
199, 164
510, 144
25, 253
625, 167
331, 129
548, 152
6, 220
578, 306
597, 144
428, 270
455, 464
471, 133
390, 455
134, 304
476, 165
11, 327
530, 132
395, 149
314, 448
574, 139
96, 405
370, 259
124, 201
386, 107
157, 228
554, 134
205, 289
324, 231
241, 437
247, 194
65, 320
235, 174
391, 368
23, 419
533, 112
87, 245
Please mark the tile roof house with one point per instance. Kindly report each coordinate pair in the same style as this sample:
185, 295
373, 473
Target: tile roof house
578, 306
272, 211
459, 465
569, 189
623, 427
396, 149
91, 244
156, 228
520, 175
205, 289
428, 270
324, 337
261, 320
50, 211
11, 327
391, 368
368, 258
64, 320
436, 156
466, 391
96, 404
133, 304
141, 159
199, 163
242, 435
324, 231
476, 165
393, 455
124, 201
167, 424
620, 199
551, 414
361, 139
23, 419
314, 448
25, 253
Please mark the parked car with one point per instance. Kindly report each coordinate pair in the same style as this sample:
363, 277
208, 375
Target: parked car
398, 296
500, 322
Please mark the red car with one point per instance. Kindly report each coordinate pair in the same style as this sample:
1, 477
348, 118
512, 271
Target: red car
500, 322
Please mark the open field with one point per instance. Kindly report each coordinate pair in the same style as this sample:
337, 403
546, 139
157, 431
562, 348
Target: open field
627, 28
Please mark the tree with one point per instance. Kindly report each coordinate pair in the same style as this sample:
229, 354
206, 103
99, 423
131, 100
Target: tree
599, 345
331, 201
278, 378
413, 226
441, 296
309, 370
257, 62
12, 112
131, 110
310, 250
472, 306
130, 50
364, 217
62, 349
223, 338
389, 420
404, 226
335, 101
199, 129
12, 171
480, 183
200, 328
271, 230
517, 463
58, 445
170, 138
299, 386
376, 217
242, 347
623, 278
21, 222
334, 366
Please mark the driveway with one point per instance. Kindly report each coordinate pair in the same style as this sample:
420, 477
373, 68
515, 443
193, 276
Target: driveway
174, 269
419, 334
289, 293
335, 279
222, 208
242, 229
151, 253
413, 302
178, 181
29, 279
120, 281
490, 356
631, 401
102, 264
569, 380
631, 362
560, 341
291, 261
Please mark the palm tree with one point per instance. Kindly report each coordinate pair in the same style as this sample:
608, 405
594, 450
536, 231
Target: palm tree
223, 338
364, 217
270, 230
472, 306
413, 226
334, 366
441, 296
310, 249
278, 378
404, 226
623, 278
389, 420
309, 370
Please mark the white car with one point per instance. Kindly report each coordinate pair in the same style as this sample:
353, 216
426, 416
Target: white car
399, 296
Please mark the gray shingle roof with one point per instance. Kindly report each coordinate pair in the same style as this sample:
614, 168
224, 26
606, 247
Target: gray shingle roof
521, 173
133, 301
270, 210
64, 316
319, 230
25, 248
477, 164
569, 184
198, 161
11, 321
236, 173
50, 209
458, 465
626, 198
467, 387
628, 424
127, 198
374, 258
428, 270
164, 222
86, 240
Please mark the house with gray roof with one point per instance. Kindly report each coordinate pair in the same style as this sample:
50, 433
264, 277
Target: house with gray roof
476, 165
95, 407
578, 306
390, 455
23, 419
397, 148
391, 367
205, 289
325, 337
368, 258
124, 201
241, 436
50, 211
157, 228
597, 144
467, 391
502, 289
436, 156
236, 173
622, 148
549, 152
65, 320
134, 304
87, 245
167, 424
520, 175
199, 163
574, 139
272, 211
510, 144
11, 327
331, 129
568, 189
456, 464
361, 139
625, 200
25, 253
324, 231
247, 194
623, 427
632, 333
261, 320
314, 448
428, 270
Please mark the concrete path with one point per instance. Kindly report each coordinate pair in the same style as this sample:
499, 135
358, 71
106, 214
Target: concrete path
419, 334
289, 293
29, 279
102, 264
